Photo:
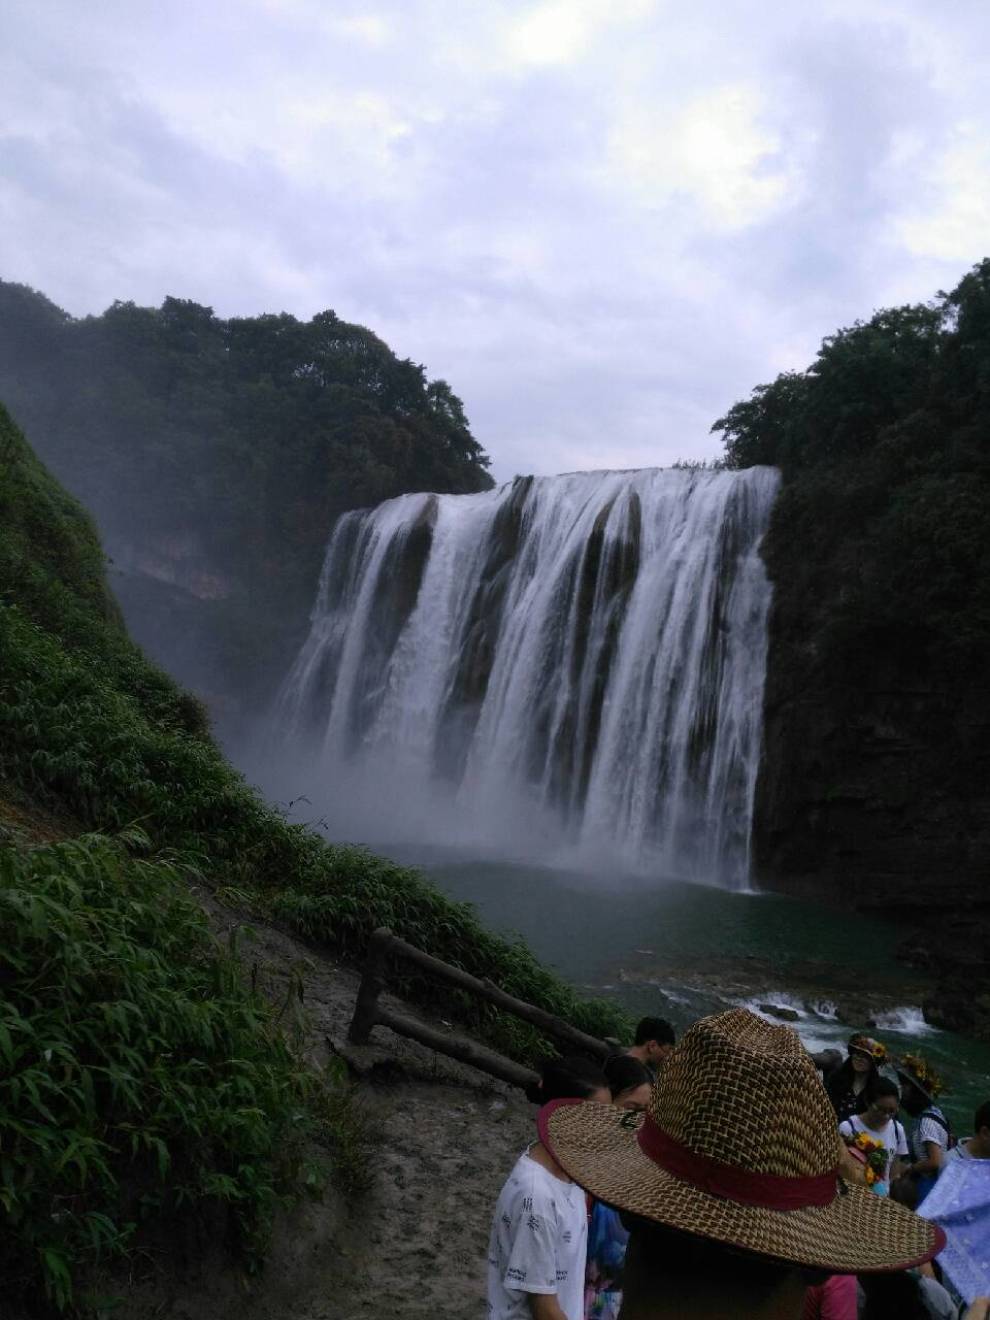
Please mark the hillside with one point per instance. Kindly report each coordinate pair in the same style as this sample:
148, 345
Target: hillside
875, 780
146, 1079
215, 455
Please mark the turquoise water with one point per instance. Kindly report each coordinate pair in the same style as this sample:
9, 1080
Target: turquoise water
682, 950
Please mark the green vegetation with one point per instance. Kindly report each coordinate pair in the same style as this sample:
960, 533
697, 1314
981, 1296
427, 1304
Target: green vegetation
139, 1076
875, 768
142, 1075
883, 447
222, 451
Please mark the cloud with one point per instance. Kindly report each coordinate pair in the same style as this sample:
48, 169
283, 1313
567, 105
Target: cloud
720, 150
564, 31
953, 220
601, 222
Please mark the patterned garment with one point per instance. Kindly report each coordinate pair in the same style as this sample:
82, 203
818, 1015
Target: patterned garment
538, 1243
607, 1241
960, 1202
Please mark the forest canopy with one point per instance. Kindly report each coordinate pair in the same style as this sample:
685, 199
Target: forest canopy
235, 443
882, 530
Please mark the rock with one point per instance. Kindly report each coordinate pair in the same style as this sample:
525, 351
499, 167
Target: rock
781, 1011
959, 1006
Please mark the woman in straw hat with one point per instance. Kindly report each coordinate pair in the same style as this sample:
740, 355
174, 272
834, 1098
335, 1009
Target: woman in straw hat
931, 1135
733, 1178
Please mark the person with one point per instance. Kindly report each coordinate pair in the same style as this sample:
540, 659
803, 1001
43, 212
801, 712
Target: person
652, 1043
731, 1179
931, 1135
880, 1123
835, 1299
976, 1147
537, 1245
850, 1087
629, 1084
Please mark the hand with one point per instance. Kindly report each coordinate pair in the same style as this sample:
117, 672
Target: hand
979, 1310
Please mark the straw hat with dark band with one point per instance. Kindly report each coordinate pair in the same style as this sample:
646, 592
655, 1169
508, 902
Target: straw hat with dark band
739, 1144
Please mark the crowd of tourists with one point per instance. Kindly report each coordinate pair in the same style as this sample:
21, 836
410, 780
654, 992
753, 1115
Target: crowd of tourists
734, 1174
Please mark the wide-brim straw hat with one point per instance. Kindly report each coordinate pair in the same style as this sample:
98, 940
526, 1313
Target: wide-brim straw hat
907, 1078
739, 1144
907, 1071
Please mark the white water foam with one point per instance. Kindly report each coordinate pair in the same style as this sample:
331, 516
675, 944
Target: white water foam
906, 1021
567, 666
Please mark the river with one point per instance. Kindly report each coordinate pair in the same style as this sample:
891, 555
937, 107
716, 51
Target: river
681, 950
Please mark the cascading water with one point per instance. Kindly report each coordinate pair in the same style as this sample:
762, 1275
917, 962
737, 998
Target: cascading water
568, 664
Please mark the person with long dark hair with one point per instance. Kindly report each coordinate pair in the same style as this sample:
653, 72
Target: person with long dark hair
852, 1086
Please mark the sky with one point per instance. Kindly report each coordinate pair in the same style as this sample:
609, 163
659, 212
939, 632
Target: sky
602, 221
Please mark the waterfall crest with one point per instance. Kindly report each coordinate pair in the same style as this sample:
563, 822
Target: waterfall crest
573, 664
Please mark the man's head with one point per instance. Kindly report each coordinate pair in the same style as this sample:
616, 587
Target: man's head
667, 1273
653, 1041
884, 1105
979, 1144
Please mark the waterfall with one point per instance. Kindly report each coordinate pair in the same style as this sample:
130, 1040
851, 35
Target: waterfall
570, 664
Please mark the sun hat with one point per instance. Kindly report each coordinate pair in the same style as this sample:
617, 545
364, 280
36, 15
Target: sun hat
739, 1144
867, 1045
919, 1073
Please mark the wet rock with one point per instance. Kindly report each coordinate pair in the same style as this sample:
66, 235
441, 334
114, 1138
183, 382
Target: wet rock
781, 1011
956, 1006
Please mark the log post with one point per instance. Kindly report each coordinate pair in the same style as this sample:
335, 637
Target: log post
366, 1011
457, 1047
554, 1027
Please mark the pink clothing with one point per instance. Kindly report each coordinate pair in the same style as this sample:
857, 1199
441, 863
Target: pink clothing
835, 1299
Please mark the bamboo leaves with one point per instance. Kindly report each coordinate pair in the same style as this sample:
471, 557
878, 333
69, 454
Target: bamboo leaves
132, 1055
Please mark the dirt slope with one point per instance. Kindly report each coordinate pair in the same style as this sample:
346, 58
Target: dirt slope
414, 1246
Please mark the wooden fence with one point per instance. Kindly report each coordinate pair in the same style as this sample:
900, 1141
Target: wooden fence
369, 1012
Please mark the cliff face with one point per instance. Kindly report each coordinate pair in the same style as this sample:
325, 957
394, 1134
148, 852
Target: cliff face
877, 793
875, 781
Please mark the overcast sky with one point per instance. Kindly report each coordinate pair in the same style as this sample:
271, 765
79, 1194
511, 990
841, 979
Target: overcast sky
602, 221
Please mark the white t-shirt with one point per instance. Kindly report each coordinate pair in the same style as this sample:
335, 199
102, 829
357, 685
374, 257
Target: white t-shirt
538, 1243
891, 1134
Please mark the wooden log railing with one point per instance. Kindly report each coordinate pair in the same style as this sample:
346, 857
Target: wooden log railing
369, 1013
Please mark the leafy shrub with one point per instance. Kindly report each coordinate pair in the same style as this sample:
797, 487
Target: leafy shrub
139, 1076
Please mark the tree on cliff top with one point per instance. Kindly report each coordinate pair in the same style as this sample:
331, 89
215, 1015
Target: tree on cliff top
883, 524
235, 443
